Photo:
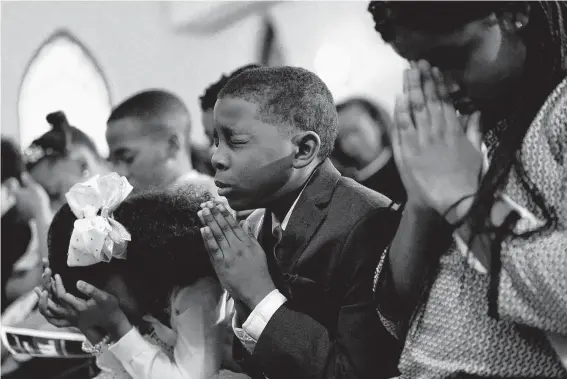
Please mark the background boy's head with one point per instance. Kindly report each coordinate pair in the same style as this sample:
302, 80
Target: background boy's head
146, 138
210, 96
273, 126
12, 168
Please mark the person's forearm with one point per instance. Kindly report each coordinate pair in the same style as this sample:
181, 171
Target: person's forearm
421, 236
43, 220
24, 282
118, 329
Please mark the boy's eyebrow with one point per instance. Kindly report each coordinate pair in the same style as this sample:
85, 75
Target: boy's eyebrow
226, 129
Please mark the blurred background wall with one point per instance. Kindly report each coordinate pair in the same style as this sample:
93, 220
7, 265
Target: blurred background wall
137, 45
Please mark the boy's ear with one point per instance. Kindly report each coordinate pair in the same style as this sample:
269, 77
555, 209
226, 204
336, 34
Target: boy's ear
306, 148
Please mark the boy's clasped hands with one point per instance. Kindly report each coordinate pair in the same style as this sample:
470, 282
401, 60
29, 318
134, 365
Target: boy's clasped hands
236, 255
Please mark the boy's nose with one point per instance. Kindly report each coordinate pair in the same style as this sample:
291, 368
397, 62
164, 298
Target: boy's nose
219, 161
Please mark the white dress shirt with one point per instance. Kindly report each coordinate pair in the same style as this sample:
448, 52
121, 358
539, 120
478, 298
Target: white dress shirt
249, 333
194, 339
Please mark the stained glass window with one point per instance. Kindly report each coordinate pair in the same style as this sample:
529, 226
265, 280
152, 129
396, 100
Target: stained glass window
63, 75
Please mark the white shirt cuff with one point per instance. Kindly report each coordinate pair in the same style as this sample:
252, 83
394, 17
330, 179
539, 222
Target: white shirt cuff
130, 345
261, 315
247, 341
252, 329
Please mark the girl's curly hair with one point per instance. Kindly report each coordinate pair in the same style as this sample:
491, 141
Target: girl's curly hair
166, 250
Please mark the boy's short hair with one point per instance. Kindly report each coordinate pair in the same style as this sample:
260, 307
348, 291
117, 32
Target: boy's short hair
289, 96
211, 94
12, 161
162, 109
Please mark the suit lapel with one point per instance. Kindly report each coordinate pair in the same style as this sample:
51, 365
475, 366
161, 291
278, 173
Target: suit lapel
308, 214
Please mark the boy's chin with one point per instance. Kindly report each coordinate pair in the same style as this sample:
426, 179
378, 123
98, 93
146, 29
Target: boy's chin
238, 205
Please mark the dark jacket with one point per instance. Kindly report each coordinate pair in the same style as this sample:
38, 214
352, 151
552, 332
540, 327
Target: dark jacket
326, 258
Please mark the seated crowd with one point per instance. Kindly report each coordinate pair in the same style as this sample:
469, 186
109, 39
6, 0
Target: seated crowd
307, 239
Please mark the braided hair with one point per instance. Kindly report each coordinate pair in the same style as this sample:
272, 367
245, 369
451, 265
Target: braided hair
545, 37
57, 142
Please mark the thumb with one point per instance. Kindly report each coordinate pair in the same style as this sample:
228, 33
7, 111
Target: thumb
91, 291
27, 180
473, 130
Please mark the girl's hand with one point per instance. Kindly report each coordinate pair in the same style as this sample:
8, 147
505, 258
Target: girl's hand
49, 305
56, 312
101, 310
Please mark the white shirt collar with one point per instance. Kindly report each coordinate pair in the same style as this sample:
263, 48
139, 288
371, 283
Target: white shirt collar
283, 224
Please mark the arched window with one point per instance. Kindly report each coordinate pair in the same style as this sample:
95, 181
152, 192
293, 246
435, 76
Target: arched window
63, 75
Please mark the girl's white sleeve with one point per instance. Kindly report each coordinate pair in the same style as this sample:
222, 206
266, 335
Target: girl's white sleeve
196, 353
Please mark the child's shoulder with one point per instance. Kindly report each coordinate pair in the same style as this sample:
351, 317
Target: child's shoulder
358, 198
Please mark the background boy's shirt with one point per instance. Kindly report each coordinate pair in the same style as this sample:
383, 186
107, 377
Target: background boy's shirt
326, 326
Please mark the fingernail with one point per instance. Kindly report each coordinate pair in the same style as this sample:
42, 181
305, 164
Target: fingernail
206, 212
221, 208
424, 64
438, 74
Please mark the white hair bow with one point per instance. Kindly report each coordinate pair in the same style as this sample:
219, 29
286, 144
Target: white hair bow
97, 237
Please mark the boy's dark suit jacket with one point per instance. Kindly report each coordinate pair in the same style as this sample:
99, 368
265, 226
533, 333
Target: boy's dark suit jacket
326, 260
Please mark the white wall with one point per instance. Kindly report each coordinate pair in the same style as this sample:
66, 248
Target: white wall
136, 48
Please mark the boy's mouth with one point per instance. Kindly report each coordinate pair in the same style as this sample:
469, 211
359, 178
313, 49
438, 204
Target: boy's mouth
221, 184
223, 188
